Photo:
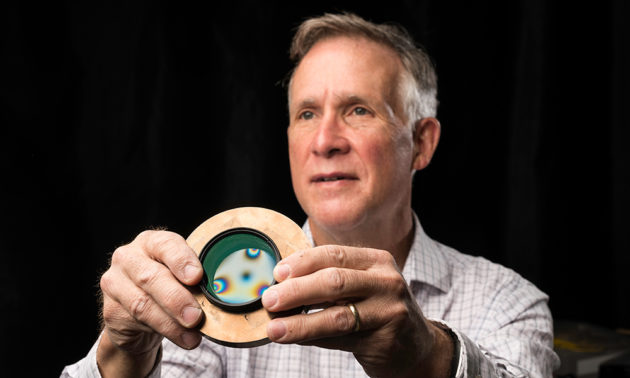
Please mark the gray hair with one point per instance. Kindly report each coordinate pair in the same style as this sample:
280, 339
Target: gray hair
418, 85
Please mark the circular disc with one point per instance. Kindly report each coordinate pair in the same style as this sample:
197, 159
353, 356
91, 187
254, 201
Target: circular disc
249, 328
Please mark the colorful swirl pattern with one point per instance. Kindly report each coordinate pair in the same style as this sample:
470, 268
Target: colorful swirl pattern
243, 275
252, 253
258, 292
220, 285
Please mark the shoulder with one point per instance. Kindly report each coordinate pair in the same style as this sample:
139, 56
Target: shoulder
481, 271
491, 287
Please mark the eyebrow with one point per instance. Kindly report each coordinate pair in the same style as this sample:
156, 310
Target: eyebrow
307, 102
351, 98
355, 98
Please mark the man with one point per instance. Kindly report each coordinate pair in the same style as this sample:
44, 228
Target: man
362, 102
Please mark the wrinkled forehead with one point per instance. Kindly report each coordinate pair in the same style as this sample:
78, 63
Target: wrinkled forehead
347, 65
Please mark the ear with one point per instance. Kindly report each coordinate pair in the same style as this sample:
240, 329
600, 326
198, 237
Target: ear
426, 135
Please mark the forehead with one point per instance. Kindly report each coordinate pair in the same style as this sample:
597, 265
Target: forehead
345, 67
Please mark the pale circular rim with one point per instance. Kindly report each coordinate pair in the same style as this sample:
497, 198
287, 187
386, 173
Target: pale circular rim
247, 329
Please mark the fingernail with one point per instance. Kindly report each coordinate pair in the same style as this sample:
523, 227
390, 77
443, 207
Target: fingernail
282, 271
190, 272
189, 339
269, 298
276, 329
191, 315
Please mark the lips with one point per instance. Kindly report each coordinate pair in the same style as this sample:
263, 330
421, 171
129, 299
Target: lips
332, 177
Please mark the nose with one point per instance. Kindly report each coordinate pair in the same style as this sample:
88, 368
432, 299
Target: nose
330, 138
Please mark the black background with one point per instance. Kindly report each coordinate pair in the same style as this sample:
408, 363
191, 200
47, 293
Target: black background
121, 116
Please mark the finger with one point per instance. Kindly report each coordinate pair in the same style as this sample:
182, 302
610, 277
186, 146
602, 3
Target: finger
172, 250
127, 309
157, 283
308, 261
332, 322
328, 285
125, 326
354, 342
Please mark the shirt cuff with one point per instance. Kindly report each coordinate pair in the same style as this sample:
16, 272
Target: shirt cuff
156, 372
471, 362
87, 367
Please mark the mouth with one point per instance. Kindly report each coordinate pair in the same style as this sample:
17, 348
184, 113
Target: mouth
332, 177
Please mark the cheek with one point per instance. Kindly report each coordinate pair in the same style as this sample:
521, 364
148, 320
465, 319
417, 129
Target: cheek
294, 149
294, 165
402, 148
390, 162
391, 152
297, 158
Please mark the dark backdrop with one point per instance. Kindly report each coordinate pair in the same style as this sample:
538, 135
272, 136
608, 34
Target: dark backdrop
120, 116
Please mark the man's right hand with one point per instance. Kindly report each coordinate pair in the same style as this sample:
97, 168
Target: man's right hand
144, 300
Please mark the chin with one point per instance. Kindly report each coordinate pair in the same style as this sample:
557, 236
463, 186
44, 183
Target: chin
337, 216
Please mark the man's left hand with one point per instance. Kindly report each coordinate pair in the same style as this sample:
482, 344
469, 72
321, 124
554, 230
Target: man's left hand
394, 338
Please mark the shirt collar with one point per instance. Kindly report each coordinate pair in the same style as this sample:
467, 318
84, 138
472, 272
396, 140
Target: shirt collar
425, 263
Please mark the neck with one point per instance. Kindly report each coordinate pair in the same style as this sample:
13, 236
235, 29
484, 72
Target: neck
392, 234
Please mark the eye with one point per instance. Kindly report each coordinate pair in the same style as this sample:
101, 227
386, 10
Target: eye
360, 111
307, 115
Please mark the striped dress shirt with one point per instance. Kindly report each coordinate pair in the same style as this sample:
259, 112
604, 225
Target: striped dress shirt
502, 323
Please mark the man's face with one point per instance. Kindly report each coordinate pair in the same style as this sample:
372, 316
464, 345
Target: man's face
350, 151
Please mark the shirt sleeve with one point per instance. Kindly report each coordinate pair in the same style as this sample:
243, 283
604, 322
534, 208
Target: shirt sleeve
208, 359
515, 340
85, 367
88, 368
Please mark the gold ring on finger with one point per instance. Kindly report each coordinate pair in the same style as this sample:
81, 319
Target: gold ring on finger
357, 319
